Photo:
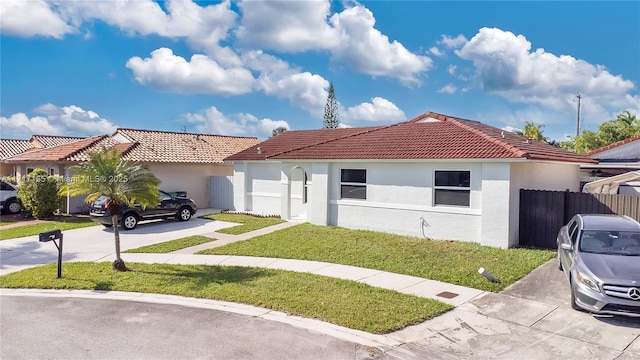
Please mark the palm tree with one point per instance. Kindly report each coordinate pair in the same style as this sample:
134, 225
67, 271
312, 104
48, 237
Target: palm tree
106, 173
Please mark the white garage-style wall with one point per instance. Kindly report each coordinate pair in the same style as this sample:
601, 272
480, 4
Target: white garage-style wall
192, 178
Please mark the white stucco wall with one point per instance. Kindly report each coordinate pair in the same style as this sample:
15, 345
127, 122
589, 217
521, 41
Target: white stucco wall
400, 200
257, 187
400, 196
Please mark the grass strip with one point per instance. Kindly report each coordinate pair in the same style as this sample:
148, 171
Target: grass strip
173, 245
4, 221
454, 262
35, 229
249, 222
342, 302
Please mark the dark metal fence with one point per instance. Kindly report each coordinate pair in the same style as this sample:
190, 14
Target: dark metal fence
542, 213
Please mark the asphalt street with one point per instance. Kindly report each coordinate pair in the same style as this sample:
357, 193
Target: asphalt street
74, 328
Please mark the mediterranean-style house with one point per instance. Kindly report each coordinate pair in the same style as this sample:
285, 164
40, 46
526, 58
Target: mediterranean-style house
184, 162
435, 176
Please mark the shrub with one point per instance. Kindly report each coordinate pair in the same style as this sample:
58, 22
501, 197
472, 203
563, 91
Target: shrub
39, 194
10, 179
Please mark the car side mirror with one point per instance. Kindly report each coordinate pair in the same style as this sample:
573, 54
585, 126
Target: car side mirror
565, 246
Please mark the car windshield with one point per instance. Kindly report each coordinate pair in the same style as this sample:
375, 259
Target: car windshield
610, 242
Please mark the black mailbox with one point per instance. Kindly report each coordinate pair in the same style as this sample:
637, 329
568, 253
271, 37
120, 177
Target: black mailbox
54, 235
50, 235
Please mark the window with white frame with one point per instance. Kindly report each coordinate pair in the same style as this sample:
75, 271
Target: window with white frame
353, 184
452, 187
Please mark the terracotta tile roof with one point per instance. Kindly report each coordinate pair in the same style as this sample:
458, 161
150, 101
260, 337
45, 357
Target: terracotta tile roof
11, 147
293, 140
429, 136
72, 152
46, 141
614, 145
178, 147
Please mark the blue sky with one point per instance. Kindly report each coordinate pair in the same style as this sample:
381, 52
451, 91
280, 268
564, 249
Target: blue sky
82, 68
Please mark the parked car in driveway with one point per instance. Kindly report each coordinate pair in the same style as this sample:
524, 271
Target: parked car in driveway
9, 198
169, 206
600, 255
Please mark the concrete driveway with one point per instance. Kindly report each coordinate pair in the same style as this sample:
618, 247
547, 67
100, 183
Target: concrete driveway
96, 242
532, 319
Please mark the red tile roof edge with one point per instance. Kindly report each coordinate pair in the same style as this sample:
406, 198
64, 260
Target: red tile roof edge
179, 133
454, 120
614, 145
83, 148
365, 130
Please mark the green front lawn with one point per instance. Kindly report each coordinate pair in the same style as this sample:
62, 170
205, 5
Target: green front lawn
449, 261
342, 302
249, 222
173, 245
61, 223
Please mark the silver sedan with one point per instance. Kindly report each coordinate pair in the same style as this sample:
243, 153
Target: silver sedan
600, 255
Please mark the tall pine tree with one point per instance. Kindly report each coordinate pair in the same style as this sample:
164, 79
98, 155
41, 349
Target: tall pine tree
331, 116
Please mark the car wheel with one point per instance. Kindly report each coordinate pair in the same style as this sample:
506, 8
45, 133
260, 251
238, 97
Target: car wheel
12, 206
129, 221
184, 214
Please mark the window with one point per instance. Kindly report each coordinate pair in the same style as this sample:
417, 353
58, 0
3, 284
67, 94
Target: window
452, 188
52, 171
353, 184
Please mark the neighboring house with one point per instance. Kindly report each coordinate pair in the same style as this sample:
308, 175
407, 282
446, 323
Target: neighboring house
435, 176
615, 159
11, 147
182, 161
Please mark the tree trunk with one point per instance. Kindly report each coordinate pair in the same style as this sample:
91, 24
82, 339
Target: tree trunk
118, 264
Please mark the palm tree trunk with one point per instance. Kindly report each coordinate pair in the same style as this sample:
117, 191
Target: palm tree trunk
118, 264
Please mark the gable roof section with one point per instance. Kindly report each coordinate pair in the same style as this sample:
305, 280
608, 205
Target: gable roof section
12, 147
178, 147
288, 141
47, 141
429, 136
75, 151
612, 146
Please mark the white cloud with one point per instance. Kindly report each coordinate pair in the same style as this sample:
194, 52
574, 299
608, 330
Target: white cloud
435, 51
453, 43
287, 26
505, 65
278, 78
165, 71
365, 49
452, 69
379, 109
211, 120
32, 18
67, 120
448, 89
349, 36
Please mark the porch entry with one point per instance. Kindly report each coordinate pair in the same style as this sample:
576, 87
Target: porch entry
298, 193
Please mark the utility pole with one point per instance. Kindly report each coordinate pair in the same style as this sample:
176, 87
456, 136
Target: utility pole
578, 116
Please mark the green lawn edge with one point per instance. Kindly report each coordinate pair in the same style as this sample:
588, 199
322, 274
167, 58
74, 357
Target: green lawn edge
453, 262
249, 222
173, 245
35, 229
341, 302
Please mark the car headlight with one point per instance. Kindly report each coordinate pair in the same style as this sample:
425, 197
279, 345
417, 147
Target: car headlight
589, 282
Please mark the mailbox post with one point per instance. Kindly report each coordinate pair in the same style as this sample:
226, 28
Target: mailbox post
54, 235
